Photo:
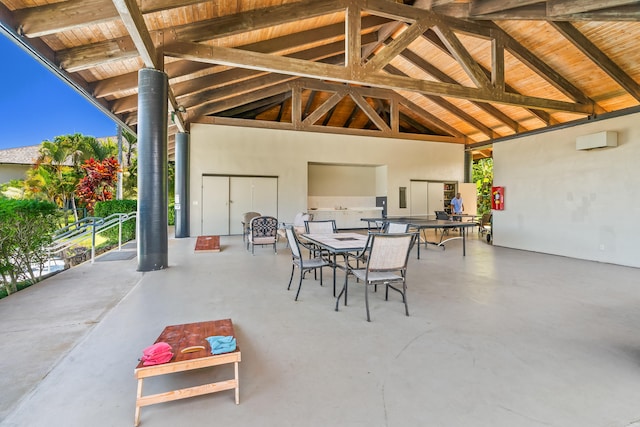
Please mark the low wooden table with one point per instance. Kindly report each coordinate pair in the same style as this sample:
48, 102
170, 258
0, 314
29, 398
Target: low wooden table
180, 337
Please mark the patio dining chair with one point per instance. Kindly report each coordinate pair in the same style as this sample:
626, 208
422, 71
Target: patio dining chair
263, 230
325, 226
246, 223
395, 227
298, 225
387, 259
299, 261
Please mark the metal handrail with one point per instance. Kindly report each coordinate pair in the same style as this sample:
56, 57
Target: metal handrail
72, 234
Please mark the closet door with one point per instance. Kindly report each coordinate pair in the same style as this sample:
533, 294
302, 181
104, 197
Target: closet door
215, 205
251, 194
435, 197
418, 197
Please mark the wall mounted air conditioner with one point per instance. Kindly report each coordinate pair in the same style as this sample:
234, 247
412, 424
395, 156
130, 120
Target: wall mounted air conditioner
597, 140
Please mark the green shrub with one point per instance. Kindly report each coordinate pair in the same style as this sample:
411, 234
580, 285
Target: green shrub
26, 229
109, 207
172, 214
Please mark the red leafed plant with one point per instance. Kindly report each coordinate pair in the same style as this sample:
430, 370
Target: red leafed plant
98, 182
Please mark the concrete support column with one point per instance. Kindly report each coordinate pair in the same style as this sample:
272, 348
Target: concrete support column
152, 170
182, 185
468, 166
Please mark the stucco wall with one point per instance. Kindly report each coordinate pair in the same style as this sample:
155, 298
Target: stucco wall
10, 171
581, 204
286, 154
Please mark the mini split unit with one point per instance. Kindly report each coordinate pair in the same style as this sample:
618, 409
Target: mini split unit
597, 140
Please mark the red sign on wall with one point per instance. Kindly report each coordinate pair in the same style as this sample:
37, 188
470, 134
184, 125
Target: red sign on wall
497, 198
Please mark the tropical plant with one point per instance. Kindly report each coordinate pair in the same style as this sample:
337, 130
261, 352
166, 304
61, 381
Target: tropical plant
99, 181
483, 177
26, 227
59, 168
130, 166
91, 147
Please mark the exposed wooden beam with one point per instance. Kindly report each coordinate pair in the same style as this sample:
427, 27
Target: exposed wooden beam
45, 20
443, 103
77, 59
578, 39
430, 118
539, 11
322, 129
463, 57
325, 107
296, 104
217, 106
258, 61
63, 16
255, 19
353, 43
233, 90
258, 105
497, 63
393, 10
568, 7
544, 70
491, 6
86, 56
186, 90
368, 110
399, 44
135, 25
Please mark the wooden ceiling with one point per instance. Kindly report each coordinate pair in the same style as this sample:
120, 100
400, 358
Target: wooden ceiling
458, 71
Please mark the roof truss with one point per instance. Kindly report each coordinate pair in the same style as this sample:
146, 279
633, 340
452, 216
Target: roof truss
439, 70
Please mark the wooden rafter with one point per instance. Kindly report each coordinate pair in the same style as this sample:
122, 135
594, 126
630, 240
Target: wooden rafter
258, 61
597, 56
133, 20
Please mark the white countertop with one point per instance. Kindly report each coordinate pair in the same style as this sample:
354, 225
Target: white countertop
370, 208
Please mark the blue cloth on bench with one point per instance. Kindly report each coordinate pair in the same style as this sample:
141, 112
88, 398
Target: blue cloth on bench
221, 344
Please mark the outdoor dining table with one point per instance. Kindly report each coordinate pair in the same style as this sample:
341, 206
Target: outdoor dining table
337, 244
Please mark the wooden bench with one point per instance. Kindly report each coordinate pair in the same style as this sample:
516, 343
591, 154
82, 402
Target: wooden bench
181, 337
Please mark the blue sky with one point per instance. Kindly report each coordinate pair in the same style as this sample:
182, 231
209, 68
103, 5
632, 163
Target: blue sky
35, 105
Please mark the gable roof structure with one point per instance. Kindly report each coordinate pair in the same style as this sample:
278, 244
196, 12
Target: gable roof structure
466, 72
20, 155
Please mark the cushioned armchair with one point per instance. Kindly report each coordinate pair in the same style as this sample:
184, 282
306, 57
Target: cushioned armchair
263, 230
246, 223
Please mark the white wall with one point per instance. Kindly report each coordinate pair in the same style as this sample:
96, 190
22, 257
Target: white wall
12, 171
580, 204
286, 154
341, 180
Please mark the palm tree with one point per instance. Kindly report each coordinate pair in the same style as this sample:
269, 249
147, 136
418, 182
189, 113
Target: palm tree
62, 156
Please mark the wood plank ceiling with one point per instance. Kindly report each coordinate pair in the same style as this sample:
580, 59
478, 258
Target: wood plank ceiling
458, 71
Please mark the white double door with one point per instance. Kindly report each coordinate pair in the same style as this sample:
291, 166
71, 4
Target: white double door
226, 198
426, 197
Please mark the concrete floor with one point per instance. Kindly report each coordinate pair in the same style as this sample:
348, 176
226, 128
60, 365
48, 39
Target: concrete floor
498, 338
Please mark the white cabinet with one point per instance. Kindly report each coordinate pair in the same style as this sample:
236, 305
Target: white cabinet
347, 218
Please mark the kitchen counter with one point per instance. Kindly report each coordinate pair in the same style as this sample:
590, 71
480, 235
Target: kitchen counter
347, 218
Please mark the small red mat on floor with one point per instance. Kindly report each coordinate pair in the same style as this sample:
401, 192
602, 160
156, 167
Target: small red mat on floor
208, 244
